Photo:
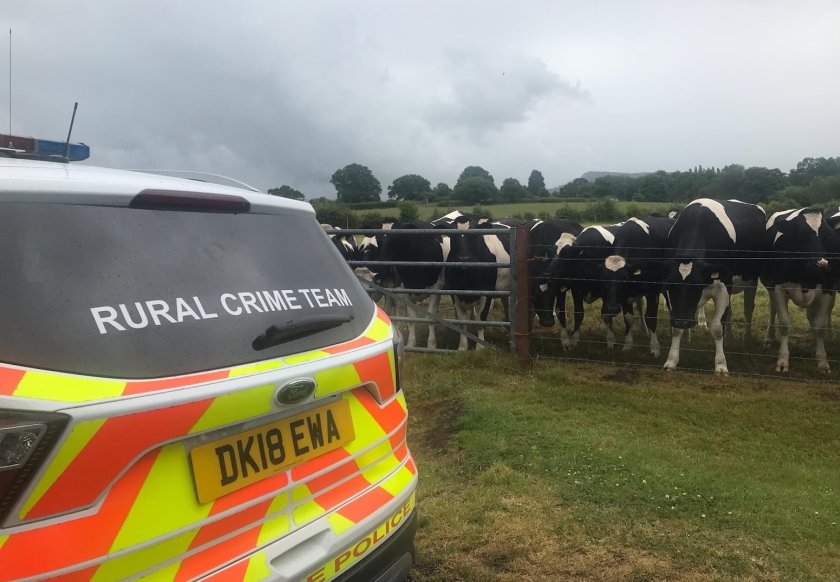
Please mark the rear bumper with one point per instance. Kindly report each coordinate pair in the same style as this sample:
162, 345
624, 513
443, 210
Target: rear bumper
378, 548
391, 562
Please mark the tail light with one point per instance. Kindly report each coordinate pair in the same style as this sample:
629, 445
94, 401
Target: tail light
25, 440
399, 352
189, 201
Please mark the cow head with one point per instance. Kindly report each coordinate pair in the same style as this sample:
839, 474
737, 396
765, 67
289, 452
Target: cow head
622, 280
544, 296
463, 247
684, 286
801, 246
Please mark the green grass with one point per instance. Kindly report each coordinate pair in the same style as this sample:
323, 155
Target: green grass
503, 210
603, 472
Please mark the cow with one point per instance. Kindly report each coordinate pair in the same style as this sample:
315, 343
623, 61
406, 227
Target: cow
345, 244
476, 248
802, 268
546, 239
368, 250
423, 247
715, 250
634, 271
577, 267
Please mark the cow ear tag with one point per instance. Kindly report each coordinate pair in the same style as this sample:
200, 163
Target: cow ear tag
637, 272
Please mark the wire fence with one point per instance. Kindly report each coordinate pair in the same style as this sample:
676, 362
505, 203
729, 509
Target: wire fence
747, 356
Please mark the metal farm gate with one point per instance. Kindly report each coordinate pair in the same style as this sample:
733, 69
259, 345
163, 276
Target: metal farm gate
518, 294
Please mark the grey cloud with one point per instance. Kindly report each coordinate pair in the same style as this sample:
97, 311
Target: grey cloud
273, 93
484, 94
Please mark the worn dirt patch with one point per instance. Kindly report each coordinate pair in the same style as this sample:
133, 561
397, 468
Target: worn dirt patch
442, 416
628, 377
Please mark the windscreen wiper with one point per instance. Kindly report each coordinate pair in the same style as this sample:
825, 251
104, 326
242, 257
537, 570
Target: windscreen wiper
292, 330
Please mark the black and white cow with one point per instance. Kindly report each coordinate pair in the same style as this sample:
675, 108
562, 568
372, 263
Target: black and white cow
345, 244
476, 248
384, 276
424, 247
716, 248
546, 239
634, 271
577, 267
802, 268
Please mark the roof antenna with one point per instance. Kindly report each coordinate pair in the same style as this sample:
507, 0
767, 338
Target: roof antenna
10, 81
69, 131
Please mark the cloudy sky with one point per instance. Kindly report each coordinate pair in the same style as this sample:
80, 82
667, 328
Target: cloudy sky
278, 92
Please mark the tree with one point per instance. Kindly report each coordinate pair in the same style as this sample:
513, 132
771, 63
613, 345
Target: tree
475, 172
810, 168
409, 211
536, 184
287, 192
577, 188
512, 190
334, 213
409, 187
728, 183
761, 183
442, 191
475, 190
356, 183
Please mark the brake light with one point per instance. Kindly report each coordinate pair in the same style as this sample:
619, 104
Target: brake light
189, 201
399, 352
25, 440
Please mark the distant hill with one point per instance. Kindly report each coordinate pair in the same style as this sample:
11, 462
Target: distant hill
592, 176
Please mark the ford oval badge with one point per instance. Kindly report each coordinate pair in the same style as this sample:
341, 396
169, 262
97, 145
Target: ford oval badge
295, 391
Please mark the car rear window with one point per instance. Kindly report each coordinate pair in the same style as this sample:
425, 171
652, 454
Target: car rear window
133, 293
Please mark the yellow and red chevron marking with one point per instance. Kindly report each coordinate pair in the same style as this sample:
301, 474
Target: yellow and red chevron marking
154, 498
89, 460
25, 382
256, 567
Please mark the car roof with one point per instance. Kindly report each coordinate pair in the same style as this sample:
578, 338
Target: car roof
70, 183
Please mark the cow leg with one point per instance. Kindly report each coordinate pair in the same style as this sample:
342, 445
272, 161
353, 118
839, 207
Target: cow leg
628, 326
505, 306
412, 327
701, 316
484, 302
565, 343
577, 300
750, 290
650, 319
819, 312
463, 312
781, 301
721, 299
727, 325
641, 307
608, 321
434, 302
674, 352
770, 336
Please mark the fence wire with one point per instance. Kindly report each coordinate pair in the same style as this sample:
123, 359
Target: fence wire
590, 346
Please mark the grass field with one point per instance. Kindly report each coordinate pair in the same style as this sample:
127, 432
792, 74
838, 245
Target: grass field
503, 210
603, 472
432, 211
597, 465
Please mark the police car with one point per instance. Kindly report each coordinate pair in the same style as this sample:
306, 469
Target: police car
193, 385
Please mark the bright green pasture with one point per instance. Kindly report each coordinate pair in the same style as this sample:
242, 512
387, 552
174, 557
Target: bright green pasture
611, 471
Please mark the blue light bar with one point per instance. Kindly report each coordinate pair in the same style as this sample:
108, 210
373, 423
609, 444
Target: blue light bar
44, 148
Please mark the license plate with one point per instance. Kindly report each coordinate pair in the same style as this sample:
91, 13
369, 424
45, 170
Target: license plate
237, 461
